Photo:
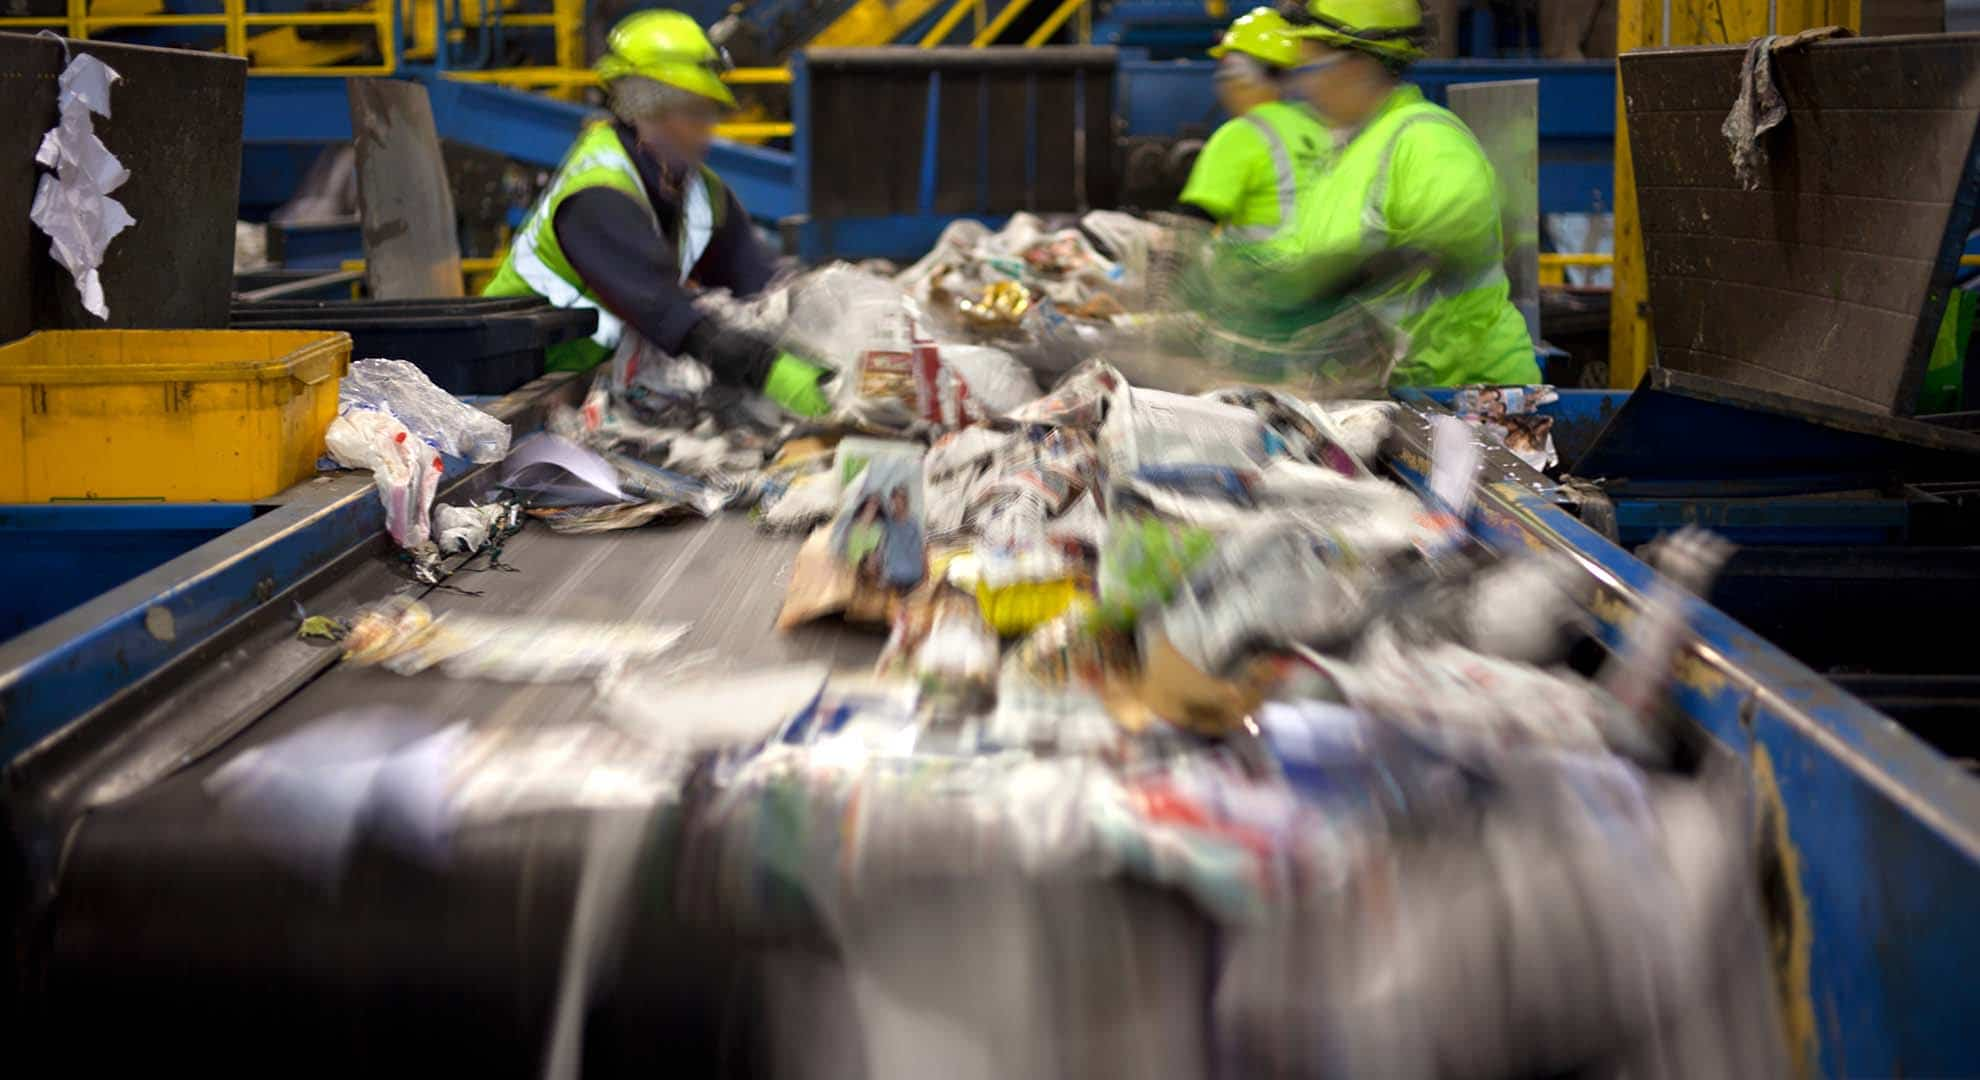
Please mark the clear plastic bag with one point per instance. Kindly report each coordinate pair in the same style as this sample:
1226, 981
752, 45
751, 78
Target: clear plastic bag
998, 382
835, 314
448, 424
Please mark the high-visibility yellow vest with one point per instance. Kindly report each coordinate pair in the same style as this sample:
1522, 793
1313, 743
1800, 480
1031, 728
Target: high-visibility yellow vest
1252, 169
535, 264
1414, 180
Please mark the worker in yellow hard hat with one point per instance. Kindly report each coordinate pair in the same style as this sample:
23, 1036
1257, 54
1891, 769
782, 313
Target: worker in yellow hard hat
635, 217
1249, 174
1404, 220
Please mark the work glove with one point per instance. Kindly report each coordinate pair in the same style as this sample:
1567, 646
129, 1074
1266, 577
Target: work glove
793, 383
742, 358
736, 356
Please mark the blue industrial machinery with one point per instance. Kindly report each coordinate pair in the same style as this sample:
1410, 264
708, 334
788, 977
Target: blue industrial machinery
284, 114
74, 663
1577, 121
1671, 460
62, 554
1163, 29
1842, 518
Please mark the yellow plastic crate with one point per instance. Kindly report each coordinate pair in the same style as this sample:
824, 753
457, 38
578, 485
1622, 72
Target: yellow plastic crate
173, 415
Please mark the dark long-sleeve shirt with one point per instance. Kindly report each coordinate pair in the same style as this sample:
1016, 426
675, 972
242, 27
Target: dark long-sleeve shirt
635, 268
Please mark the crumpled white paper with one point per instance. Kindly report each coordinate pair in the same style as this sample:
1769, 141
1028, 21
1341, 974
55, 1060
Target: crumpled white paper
73, 204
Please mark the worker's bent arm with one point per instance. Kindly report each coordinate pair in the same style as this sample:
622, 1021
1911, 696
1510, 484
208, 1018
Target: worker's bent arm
611, 242
635, 271
1443, 203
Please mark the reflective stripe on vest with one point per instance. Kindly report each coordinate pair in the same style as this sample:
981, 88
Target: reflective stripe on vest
526, 254
698, 223
599, 148
1288, 186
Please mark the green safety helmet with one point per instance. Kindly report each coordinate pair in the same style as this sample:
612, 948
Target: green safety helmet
1388, 29
667, 47
1262, 33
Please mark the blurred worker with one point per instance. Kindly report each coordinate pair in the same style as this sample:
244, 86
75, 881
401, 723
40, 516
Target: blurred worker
1250, 173
634, 214
1404, 218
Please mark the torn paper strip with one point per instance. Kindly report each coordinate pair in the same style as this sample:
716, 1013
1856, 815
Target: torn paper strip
73, 204
86, 82
72, 145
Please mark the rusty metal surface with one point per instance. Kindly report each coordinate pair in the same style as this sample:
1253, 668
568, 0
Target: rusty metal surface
1828, 282
411, 249
1012, 128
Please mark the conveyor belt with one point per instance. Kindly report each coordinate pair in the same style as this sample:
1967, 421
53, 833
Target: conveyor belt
722, 577
175, 935
173, 919
169, 916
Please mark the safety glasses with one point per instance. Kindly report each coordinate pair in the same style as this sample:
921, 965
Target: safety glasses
1315, 67
1237, 67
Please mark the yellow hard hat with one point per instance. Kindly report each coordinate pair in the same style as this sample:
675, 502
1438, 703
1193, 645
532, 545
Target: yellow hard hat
1391, 29
667, 47
1262, 33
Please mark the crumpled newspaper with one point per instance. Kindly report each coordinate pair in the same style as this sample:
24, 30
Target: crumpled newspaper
72, 204
1268, 582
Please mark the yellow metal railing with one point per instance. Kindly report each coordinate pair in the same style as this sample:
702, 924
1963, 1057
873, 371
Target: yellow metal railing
990, 33
583, 76
1058, 18
568, 75
234, 21
475, 272
426, 27
531, 78
988, 30
872, 22
1554, 264
957, 12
